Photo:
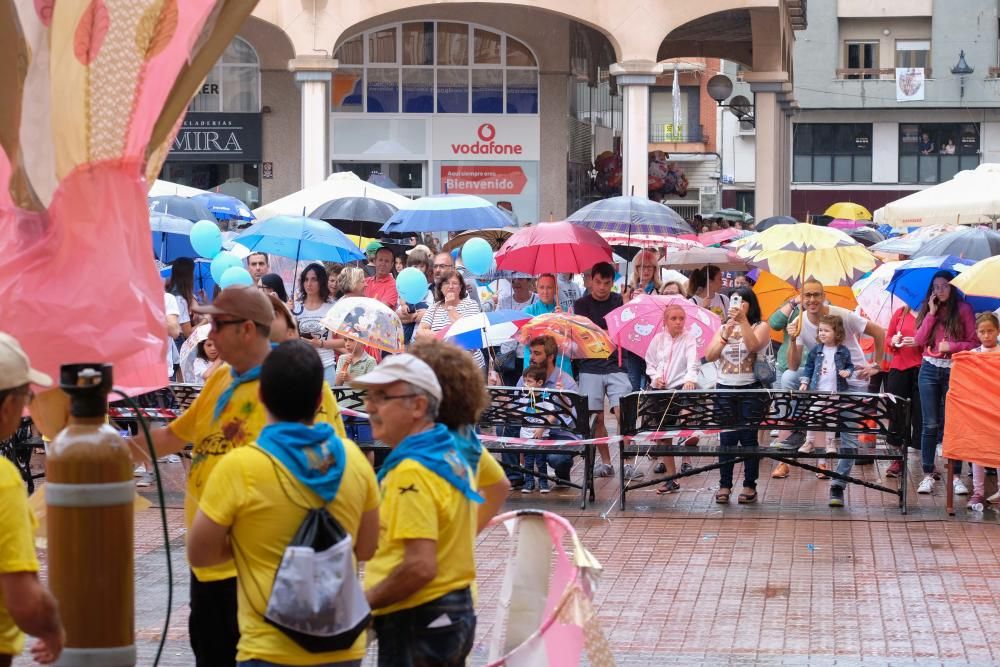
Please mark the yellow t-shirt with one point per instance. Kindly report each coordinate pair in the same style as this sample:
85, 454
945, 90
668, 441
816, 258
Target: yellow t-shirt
17, 552
418, 504
247, 491
239, 424
489, 471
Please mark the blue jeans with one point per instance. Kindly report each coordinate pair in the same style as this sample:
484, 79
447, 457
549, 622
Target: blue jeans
358, 430
515, 477
635, 367
561, 464
536, 462
405, 638
743, 437
265, 663
933, 383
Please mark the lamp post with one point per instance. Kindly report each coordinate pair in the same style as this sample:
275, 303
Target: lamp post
962, 70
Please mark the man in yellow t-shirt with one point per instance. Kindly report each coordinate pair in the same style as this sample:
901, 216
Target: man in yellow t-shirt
25, 605
226, 414
257, 497
419, 582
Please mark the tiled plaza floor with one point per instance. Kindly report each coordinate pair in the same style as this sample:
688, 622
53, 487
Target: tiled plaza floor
787, 581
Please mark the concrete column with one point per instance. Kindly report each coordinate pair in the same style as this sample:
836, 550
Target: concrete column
773, 155
634, 78
313, 76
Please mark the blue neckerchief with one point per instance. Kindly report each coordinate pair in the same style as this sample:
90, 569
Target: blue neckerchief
468, 445
436, 450
238, 379
313, 454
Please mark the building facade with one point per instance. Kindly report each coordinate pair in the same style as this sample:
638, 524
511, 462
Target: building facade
514, 100
887, 102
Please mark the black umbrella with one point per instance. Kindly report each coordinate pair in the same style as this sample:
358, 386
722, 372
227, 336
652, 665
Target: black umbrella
355, 215
967, 243
767, 223
868, 236
182, 207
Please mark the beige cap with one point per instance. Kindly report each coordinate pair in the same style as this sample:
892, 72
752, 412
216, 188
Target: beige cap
245, 302
16, 370
401, 368
422, 248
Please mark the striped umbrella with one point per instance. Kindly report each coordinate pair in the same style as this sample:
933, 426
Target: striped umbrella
447, 213
631, 215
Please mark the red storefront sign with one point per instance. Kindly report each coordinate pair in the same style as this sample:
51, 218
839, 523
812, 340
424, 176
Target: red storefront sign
482, 180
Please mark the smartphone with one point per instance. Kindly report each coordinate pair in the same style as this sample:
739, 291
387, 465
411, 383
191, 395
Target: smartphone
735, 301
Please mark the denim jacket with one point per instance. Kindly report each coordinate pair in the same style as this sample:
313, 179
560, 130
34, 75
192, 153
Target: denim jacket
814, 366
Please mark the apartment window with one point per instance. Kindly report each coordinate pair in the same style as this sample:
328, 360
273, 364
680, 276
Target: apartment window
861, 56
832, 153
913, 53
935, 152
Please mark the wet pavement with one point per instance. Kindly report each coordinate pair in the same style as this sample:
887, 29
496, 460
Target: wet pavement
785, 581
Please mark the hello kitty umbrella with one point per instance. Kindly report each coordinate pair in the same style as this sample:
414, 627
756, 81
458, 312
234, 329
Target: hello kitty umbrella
634, 325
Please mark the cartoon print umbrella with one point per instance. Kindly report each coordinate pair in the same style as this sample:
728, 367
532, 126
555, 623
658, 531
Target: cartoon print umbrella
367, 321
576, 336
633, 325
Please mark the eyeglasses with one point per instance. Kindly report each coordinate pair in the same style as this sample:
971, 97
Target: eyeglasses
378, 398
218, 324
813, 295
442, 266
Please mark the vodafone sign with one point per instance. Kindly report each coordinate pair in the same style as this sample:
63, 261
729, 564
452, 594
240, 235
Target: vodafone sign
483, 180
476, 139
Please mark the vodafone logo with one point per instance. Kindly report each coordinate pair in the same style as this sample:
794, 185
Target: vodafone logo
486, 144
486, 132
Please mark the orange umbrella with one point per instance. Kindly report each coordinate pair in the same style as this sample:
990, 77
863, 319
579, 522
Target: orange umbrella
772, 293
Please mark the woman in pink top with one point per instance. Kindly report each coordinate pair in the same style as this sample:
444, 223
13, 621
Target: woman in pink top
945, 325
901, 346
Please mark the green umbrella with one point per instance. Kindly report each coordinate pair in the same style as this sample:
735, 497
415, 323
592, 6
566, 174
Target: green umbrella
732, 214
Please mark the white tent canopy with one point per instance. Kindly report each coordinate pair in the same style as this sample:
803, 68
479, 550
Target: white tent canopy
336, 186
161, 188
970, 198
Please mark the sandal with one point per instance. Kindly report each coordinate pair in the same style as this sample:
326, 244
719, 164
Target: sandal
722, 497
668, 487
747, 498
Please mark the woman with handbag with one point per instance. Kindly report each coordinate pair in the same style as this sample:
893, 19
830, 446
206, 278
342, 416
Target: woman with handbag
736, 346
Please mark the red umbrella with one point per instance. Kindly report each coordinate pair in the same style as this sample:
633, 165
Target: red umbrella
553, 247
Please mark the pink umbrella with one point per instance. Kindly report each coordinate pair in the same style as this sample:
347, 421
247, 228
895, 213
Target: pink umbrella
633, 325
840, 223
714, 238
553, 247
653, 241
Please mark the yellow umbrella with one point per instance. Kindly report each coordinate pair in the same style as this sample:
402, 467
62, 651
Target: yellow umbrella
981, 284
797, 253
846, 210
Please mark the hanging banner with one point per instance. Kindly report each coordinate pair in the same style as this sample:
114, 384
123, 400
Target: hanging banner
910, 84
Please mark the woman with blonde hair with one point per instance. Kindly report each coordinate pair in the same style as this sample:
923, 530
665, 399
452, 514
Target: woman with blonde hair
351, 282
645, 280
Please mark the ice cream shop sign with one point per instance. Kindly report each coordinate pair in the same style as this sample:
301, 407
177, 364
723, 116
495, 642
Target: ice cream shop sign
218, 137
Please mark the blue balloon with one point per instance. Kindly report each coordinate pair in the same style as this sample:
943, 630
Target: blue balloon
206, 239
235, 275
477, 255
222, 261
411, 284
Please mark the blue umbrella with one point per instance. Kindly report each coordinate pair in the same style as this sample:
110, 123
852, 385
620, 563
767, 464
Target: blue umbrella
224, 207
183, 207
171, 236
446, 213
297, 237
911, 281
203, 280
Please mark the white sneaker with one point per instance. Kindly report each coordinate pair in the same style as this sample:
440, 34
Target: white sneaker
960, 488
807, 448
140, 470
926, 485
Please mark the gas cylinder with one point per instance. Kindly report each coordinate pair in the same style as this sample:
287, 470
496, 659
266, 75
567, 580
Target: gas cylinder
89, 493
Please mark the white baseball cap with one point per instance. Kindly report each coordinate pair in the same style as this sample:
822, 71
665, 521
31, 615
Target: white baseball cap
405, 368
15, 369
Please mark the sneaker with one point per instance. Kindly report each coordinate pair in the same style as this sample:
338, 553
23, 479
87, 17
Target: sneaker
603, 470
145, 480
632, 473
926, 484
794, 441
836, 496
660, 468
774, 434
527, 489
975, 499
894, 470
780, 471
543, 489
140, 470
995, 498
960, 488
807, 448
686, 467
831, 449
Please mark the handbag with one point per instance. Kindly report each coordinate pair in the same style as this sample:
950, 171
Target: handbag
764, 367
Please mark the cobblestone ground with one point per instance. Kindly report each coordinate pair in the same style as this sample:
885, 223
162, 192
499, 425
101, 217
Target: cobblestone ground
686, 581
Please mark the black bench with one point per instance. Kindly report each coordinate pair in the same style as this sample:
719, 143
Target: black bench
723, 410
19, 448
511, 407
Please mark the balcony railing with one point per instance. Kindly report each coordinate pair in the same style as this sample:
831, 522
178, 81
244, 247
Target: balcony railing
668, 133
875, 73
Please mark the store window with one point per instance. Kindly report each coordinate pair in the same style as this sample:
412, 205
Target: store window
233, 84
435, 67
935, 152
832, 153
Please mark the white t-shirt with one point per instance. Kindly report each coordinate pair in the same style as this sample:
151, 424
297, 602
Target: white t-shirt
828, 370
309, 324
171, 307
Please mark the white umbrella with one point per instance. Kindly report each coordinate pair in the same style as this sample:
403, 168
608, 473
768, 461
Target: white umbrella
970, 198
161, 188
336, 186
695, 258
873, 295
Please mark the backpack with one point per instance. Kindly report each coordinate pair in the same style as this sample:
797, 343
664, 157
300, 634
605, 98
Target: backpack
316, 598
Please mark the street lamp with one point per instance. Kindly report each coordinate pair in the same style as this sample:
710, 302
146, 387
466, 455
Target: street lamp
962, 70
